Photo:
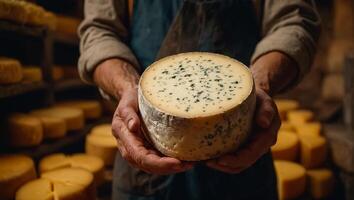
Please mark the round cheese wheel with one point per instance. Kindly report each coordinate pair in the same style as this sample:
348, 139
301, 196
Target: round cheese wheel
53, 162
25, 130
291, 179
286, 126
39, 189
286, 105
196, 106
10, 71
15, 170
91, 108
103, 130
104, 147
299, 116
313, 151
32, 74
321, 182
286, 147
73, 117
53, 128
312, 129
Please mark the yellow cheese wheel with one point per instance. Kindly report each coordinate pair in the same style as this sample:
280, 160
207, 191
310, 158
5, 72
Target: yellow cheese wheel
10, 71
15, 170
286, 147
286, 105
71, 183
67, 25
91, 108
286, 126
299, 116
321, 182
291, 179
39, 189
102, 130
57, 73
74, 118
91, 163
312, 129
313, 151
53, 128
32, 74
25, 130
104, 147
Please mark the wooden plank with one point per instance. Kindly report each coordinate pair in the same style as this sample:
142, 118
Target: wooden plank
66, 39
21, 88
23, 29
68, 84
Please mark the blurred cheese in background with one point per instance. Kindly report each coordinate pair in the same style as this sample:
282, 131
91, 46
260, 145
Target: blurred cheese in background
286, 147
66, 184
15, 170
67, 25
299, 116
311, 128
90, 163
286, 105
91, 108
313, 151
74, 118
101, 143
53, 128
24, 130
10, 70
32, 74
321, 182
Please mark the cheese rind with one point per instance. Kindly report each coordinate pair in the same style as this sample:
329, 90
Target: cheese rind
15, 170
311, 129
286, 126
91, 108
286, 105
53, 162
286, 147
53, 128
313, 151
24, 130
39, 189
300, 116
74, 118
291, 179
32, 74
104, 147
196, 106
321, 182
91, 163
10, 70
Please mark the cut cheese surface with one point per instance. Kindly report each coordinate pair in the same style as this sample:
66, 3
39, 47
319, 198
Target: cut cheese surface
39, 189
321, 182
53, 162
104, 147
10, 71
313, 151
196, 84
32, 74
291, 179
196, 106
286, 147
311, 129
300, 116
24, 130
91, 108
74, 118
15, 170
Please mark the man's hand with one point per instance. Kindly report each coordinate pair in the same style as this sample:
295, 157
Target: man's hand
263, 137
121, 80
272, 72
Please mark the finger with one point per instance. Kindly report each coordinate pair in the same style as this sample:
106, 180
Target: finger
266, 109
258, 146
214, 165
128, 110
144, 158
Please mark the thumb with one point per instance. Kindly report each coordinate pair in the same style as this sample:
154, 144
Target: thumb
128, 111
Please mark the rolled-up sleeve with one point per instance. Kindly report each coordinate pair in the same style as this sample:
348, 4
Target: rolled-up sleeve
103, 35
291, 27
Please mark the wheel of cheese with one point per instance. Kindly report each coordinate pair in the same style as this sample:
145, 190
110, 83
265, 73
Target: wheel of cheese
321, 182
10, 71
53, 128
74, 118
104, 147
291, 179
102, 130
286, 126
67, 25
53, 162
286, 105
286, 147
313, 151
312, 129
91, 108
15, 170
196, 106
24, 130
32, 74
39, 189
299, 116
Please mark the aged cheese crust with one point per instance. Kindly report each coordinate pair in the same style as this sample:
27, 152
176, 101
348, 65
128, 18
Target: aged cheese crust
204, 112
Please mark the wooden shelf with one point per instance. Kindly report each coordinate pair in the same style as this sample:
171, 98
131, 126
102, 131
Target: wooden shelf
68, 84
49, 147
21, 88
66, 39
13, 27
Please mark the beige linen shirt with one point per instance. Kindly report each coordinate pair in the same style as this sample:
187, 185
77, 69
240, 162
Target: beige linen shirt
288, 26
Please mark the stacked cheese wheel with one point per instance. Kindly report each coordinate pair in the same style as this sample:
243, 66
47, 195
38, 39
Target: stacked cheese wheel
300, 154
196, 106
101, 143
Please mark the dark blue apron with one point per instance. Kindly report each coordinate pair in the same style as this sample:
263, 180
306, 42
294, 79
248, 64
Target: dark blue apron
228, 27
